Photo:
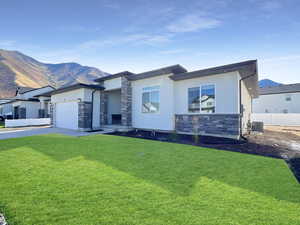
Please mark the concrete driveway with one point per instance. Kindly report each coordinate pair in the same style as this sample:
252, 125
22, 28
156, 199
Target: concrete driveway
7, 133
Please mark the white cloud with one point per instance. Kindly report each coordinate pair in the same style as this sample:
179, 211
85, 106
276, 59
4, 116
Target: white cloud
172, 51
111, 4
78, 28
193, 23
7, 43
270, 5
135, 39
282, 58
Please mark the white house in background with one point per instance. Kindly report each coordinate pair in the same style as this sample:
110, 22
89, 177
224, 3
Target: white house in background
27, 104
279, 99
213, 102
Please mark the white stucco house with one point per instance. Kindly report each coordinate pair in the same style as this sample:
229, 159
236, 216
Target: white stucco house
278, 99
214, 101
27, 104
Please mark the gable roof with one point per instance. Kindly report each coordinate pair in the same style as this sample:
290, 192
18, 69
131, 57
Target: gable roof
247, 70
174, 69
71, 88
286, 88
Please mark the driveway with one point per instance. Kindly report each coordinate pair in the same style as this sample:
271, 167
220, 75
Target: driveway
7, 133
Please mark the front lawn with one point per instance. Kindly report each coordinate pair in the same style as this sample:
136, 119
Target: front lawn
109, 180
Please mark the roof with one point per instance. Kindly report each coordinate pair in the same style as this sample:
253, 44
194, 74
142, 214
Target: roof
247, 70
20, 100
286, 88
113, 76
174, 69
23, 90
71, 88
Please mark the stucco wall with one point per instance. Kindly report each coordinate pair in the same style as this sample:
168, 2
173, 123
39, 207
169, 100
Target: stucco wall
276, 103
226, 90
68, 96
162, 120
247, 106
32, 110
112, 84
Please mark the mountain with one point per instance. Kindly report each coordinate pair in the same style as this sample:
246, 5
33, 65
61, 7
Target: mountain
268, 83
17, 69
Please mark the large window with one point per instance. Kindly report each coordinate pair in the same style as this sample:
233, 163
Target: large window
207, 103
150, 99
194, 99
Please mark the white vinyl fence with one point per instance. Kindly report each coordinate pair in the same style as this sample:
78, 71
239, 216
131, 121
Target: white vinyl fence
281, 119
27, 122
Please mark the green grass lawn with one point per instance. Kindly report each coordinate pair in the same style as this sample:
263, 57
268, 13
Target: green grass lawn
60, 180
1, 124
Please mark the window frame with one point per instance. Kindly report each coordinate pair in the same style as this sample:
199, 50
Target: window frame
156, 88
200, 94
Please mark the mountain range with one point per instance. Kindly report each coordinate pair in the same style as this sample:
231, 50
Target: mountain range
17, 69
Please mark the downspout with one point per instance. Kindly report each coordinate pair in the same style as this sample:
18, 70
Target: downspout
240, 105
92, 110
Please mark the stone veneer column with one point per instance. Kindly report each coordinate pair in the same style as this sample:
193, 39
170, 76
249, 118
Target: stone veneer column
209, 124
126, 102
84, 115
103, 108
52, 114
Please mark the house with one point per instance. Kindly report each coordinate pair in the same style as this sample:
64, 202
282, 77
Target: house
279, 99
214, 101
27, 104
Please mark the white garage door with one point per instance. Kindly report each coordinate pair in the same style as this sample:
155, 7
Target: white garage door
67, 115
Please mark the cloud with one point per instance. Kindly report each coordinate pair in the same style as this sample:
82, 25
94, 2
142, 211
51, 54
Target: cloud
111, 4
283, 58
192, 23
7, 43
172, 51
270, 5
78, 28
135, 39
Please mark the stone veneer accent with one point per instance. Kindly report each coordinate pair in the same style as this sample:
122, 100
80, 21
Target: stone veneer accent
84, 115
103, 108
126, 102
52, 114
209, 124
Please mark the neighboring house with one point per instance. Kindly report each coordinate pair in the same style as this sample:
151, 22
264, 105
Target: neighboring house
27, 104
214, 101
279, 99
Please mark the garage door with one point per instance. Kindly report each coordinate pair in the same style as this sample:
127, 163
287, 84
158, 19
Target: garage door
67, 115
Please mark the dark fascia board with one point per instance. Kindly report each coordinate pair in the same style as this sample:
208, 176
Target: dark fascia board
21, 100
174, 69
71, 88
113, 76
34, 89
281, 89
247, 70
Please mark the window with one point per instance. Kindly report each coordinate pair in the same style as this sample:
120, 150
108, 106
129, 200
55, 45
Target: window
288, 98
194, 99
208, 98
285, 111
207, 104
150, 99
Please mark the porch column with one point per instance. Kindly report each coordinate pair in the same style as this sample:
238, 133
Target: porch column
103, 108
126, 101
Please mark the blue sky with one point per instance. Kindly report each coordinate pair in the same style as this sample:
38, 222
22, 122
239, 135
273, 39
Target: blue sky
140, 35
